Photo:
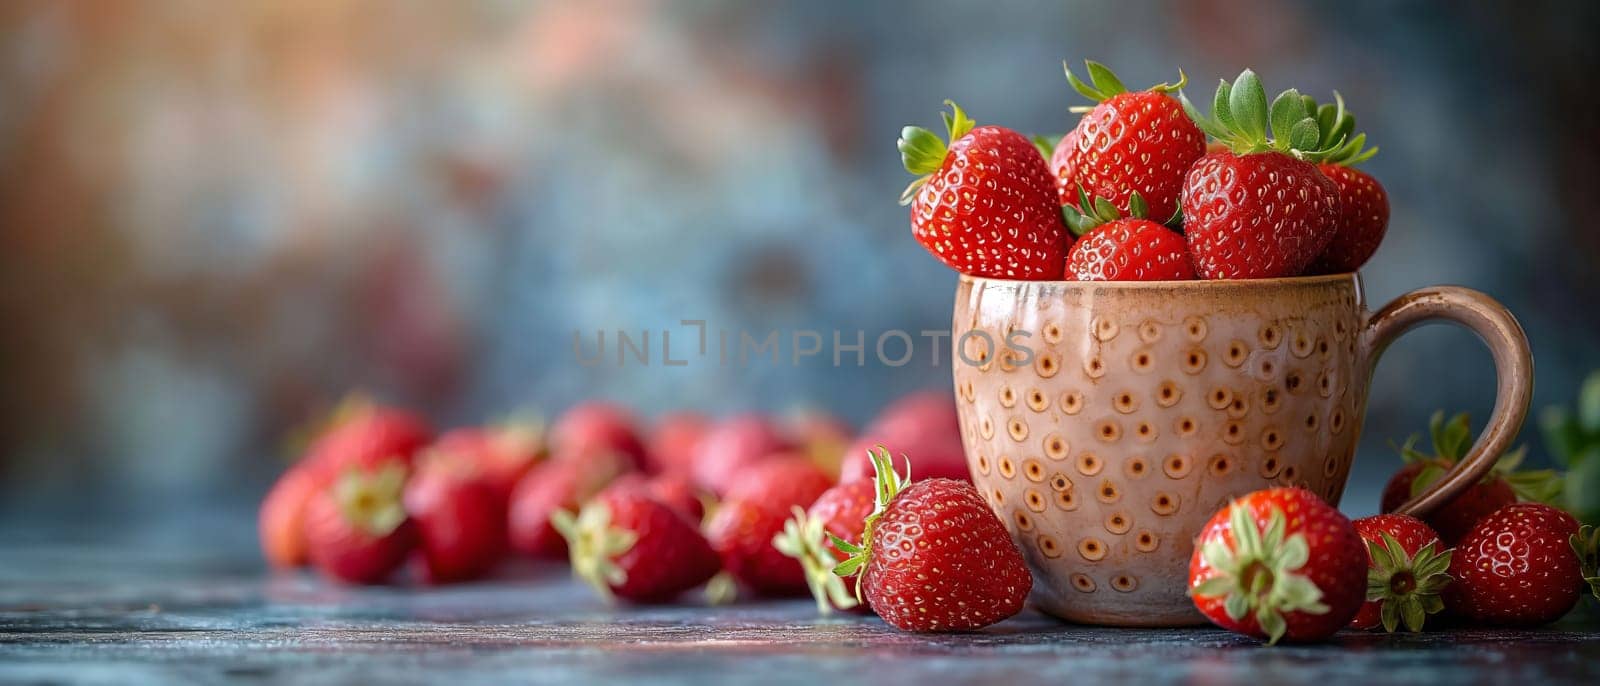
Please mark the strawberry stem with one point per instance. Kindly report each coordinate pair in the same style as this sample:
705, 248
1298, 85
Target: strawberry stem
592, 546
371, 500
1242, 119
1407, 585
923, 151
804, 539
887, 484
1258, 575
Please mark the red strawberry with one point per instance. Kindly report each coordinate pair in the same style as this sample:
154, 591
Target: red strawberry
1516, 567
731, 447
460, 519
629, 544
840, 511
1501, 487
1260, 210
357, 530
672, 490
987, 205
922, 424
501, 455
1133, 143
1406, 566
1279, 563
1363, 219
743, 527
597, 427
282, 519
1116, 249
1064, 163
364, 434
563, 483
934, 557
671, 443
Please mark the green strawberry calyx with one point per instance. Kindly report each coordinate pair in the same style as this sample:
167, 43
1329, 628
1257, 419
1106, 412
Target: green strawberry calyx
804, 539
923, 151
1241, 119
1099, 211
1046, 145
1259, 574
1586, 543
370, 500
1104, 84
593, 545
1408, 586
1335, 123
1451, 440
887, 483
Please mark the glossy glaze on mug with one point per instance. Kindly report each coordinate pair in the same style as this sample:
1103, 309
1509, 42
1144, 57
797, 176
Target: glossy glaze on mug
1143, 410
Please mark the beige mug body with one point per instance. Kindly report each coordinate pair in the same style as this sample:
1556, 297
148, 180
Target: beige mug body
1106, 422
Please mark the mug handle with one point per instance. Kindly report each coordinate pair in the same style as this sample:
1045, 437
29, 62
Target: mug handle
1513, 366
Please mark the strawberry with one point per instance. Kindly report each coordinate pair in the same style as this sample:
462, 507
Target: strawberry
731, 447
933, 556
1516, 567
840, 511
282, 518
627, 544
820, 436
1363, 204
986, 205
364, 434
501, 455
597, 427
1501, 487
672, 441
921, 423
1064, 164
357, 530
1131, 143
460, 519
753, 513
1406, 566
1111, 248
672, 490
1279, 563
1260, 210
562, 483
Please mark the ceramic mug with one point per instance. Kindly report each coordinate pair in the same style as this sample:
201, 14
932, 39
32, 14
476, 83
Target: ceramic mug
1106, 421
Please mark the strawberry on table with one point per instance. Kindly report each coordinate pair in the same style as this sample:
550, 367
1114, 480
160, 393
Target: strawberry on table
282, 519
732, 447
357, 530
840, 511
460, 519
1260, 210
921, 423
1406, 571
1517, 567
1279, 564
1503, 486
753, 513
1131, 142
629, 545
987, 204
671, 443
500, 454
598, 427
933, 556
1113, 248
366, 434
670, 489
562, 483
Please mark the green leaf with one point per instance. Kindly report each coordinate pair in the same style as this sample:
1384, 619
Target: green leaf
1390, 614
1589, 404
1083, 89
1104, 79
1414, 615
1136, 206
1207, 125
1425, 478
1212, 587
1562, 435
921, 150
1581, 488
1303, 135
1222, 111
1288, 109
1247, 103
1272, 624
1104, 210
1046, 145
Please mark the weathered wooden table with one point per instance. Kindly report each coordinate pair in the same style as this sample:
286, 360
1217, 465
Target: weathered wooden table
75, 613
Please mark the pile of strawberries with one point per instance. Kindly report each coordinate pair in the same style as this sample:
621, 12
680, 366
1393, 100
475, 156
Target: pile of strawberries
1136, 193
748, 503
1282, 564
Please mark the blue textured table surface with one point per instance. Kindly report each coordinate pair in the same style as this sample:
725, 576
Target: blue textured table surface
86, 614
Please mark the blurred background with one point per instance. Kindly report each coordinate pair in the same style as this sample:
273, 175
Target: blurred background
217, 218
